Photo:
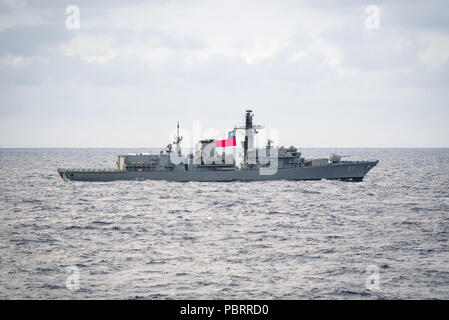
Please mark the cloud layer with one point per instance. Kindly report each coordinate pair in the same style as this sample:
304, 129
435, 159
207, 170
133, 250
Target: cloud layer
310, 69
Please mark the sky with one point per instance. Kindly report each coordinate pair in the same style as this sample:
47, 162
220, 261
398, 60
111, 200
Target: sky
318, 73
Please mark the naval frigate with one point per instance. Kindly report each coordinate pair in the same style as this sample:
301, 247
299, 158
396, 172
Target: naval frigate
206, 164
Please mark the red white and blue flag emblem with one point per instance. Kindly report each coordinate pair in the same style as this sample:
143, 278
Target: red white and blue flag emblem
229, 142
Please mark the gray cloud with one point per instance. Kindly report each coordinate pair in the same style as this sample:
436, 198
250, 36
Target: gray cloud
300, 65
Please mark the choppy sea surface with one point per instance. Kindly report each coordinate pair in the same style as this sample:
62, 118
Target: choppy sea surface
383, 238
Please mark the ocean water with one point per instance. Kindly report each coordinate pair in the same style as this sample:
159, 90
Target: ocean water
383, 238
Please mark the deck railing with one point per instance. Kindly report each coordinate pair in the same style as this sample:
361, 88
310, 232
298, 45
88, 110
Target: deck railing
89, 169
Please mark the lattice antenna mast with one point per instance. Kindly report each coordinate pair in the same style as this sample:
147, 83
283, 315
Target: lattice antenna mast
177, 141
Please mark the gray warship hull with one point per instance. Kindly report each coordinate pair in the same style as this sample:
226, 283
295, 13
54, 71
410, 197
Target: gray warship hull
205, 164
351, 171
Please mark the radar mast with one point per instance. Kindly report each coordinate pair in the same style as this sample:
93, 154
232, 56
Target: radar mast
250, 131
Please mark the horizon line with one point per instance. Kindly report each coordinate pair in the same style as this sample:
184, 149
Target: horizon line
193, 147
